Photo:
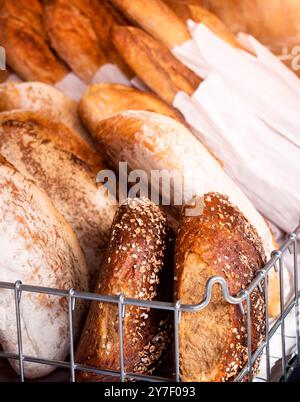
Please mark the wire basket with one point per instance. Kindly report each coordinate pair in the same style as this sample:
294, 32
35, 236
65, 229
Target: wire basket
247, 373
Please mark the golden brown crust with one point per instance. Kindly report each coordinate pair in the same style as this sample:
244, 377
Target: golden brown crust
24, 39
72, 35
4, 74
101, 101
64, 166
133, 267
156, 18
221, 242
154, 63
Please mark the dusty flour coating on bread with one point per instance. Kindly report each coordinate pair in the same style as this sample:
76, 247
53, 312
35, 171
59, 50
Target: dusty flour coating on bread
67, 179
39, 248
133, 266
219, 242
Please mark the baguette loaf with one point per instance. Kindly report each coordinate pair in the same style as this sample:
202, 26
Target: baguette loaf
156, 18
221, 242
103, 100
79, 31
150, 142
191, 11
154, 63
39, 248
23, 37
64, 166
42, 98
133, 266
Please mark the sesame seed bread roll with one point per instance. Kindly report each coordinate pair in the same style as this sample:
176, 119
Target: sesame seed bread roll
134, 267
23, 36
104, 100
150, 141
66, 167
39, 248
154, 63
156, 18
213, 341
42, 98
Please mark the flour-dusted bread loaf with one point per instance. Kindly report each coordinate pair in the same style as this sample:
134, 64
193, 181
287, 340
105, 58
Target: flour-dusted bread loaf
42, 98
150, 142
154, 63
134, 266
221, 242
156, 18
23, 37
79, 31
66, 167
103, 100
37, 247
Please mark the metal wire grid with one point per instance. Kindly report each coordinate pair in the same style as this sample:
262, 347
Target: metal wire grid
260, 281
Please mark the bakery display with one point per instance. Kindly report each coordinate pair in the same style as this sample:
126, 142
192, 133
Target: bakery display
62, 164
104, 100
133, 266
39, 248
42, 98
23, 36
154, 63
220, 242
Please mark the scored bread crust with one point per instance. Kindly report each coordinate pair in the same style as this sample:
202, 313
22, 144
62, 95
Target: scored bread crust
154, 63
38, 247
150, 141
156, 18
133, 266
43, 98
23, 37
66, 167
101, 101
219, 242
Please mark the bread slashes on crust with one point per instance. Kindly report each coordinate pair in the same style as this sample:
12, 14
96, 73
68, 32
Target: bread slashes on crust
133, 266
213, 341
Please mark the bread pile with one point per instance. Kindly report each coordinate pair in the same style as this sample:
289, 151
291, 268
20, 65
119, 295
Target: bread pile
62, 229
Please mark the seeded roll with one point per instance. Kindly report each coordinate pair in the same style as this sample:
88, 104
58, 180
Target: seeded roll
134, 266
221, 242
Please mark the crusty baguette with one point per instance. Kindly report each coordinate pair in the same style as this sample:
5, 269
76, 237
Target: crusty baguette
38, 247
156, 18
64, 166
73, 37
133, 266
23, 37
103, 100
42, 98
150, 142
199, 14
219, 242
154, 63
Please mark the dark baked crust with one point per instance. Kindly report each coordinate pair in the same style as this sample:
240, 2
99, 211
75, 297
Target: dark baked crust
133, 266
154, 63
213, 342
23, 37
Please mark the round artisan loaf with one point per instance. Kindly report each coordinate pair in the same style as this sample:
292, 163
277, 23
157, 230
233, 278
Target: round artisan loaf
134, 266
42, 98
213, 341
62, 164
38, 247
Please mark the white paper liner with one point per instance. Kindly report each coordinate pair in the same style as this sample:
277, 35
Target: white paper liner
111, 74
72, 86
13, 78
